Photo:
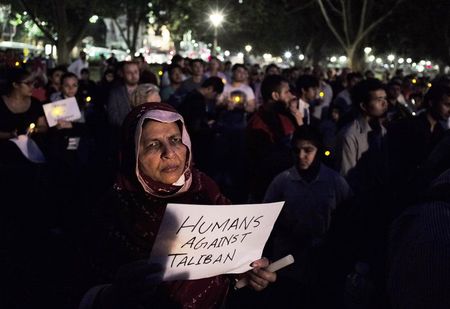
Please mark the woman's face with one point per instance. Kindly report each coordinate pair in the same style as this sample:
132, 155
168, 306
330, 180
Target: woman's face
70, 87
56, 77
25, 87
306, 153
162, 155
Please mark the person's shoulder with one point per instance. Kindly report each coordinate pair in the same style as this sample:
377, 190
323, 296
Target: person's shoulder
331, 174
350, 129
329, 171
205, 185
286, 176
246, 88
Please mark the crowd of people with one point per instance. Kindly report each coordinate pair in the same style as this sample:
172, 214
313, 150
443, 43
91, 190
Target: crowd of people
362, 164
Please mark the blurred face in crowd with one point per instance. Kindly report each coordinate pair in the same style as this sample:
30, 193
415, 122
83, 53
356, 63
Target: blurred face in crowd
176, 76
284, 94
25, 87
255, 76
377, 105
335, 115
352, 82
85, 76
273, 71
109, 77
131, 74
393, 91
240, 75
162, 155
69, 87
310, 94
442, 108
197, 68
306, 152
56, 77
214, 65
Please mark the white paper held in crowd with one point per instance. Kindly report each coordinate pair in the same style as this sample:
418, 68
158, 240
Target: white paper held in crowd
66, 109
200, 241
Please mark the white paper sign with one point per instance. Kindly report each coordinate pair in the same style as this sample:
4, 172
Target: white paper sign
66, 109
29, 148
200, 241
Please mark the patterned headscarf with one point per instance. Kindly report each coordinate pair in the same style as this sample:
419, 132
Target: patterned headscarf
130, 176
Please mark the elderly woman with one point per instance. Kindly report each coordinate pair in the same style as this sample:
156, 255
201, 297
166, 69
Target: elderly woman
155, 169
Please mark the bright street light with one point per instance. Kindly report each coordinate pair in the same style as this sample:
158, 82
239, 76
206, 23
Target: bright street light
367, 50
391, 57
248, 48
371, 58
342, 59
288, 55
408, 60
333, 59
216, 19
93, 19
301, 57
401, 60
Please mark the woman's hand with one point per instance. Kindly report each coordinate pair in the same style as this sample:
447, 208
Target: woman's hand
298, 115
259, 278
133, 285
62, 124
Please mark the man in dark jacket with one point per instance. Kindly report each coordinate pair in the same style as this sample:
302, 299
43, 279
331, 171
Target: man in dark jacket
269, 134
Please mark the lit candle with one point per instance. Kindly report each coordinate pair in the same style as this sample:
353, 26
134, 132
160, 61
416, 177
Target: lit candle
31, 128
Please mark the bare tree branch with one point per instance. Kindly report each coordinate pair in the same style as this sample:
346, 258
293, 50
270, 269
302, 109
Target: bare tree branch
122, 33
90, 4
362, 19
300, 8
345, 22
377, 22
38, 24
333, 8
330, 24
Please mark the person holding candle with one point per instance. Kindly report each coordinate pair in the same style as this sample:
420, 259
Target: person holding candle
18, 109
20, 113
155, 169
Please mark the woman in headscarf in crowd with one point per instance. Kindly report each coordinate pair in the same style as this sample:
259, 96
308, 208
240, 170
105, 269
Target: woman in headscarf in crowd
145, 93
312, 193
155, 169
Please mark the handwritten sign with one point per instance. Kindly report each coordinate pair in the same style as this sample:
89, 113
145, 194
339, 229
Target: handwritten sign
66, 109
200, 241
